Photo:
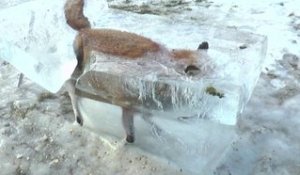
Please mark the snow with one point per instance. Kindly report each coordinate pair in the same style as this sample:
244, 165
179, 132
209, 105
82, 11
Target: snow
37, 135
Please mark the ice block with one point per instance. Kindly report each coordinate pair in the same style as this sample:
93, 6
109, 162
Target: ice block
192, 118
37, 41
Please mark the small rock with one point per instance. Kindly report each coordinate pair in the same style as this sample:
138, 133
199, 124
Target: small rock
55, 161
297, 27
4, 63
244, 46
45, 137
19, 156
292, 14
8, 131
292, 59
38, 147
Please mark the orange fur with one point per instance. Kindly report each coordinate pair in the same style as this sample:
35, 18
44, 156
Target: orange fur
117, 43
183, 54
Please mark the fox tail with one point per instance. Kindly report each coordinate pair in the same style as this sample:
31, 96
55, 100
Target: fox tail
74, 15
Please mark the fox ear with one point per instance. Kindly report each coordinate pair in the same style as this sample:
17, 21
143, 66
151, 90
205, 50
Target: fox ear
203, 46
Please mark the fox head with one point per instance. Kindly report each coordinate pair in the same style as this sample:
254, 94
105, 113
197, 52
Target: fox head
189, 62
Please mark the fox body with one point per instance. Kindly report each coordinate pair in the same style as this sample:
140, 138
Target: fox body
120, 44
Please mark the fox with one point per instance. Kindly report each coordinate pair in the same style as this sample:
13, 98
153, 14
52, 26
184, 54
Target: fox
122, 44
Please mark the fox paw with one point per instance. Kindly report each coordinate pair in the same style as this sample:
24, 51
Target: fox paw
79, 120
130, 139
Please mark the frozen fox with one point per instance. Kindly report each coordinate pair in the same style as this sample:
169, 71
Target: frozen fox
121, 44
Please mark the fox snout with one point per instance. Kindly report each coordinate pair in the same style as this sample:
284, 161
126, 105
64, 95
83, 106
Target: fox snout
192, 70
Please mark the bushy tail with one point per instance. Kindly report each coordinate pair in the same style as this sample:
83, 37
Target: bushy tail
74, 15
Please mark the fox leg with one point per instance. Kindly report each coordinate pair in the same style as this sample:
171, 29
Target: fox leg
156, 130
80, 55
70, 86
128, 124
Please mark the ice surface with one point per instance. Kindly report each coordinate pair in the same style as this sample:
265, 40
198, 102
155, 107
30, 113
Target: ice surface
37, 41
193, 118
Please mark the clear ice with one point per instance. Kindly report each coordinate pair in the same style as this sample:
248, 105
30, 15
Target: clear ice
37, 41
192, 118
